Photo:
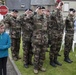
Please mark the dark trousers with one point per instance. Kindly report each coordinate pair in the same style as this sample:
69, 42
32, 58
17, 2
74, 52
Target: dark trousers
3, 69
15, 46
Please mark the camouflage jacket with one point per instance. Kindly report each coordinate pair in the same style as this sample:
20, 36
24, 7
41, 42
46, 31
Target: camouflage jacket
40, 36
56, 23
12, 24
69, 24
27, 24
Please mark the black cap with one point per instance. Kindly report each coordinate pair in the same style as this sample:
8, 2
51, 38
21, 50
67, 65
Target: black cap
43, 7
14, 10
39, 7
71, 9
28, 9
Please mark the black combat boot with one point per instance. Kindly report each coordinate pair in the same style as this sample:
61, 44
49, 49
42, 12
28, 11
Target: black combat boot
59, 54
67, 59
52, 63
56, 62
26, 65
30, 63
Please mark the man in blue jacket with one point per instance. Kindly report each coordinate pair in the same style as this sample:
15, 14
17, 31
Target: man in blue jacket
5, 43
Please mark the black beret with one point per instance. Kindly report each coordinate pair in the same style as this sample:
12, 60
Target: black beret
28, 9
39, 7
71, 9
43, 7
14, 10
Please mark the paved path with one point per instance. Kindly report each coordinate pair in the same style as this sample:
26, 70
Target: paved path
10, 69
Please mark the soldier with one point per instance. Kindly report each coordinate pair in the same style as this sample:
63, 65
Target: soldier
39, 40
55, 33
27, 26
46, 13
15, 32
69, 29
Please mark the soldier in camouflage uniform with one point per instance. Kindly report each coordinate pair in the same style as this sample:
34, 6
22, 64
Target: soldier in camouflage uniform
69, 29
15, 33
39, 40
55, 33
27, 26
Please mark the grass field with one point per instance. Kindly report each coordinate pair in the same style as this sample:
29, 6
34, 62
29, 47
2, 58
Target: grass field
65, 69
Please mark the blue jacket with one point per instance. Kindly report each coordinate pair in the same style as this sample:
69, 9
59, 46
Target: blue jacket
5, 43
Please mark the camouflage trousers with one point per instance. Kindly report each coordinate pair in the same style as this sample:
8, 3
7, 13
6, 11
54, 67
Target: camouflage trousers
68, 44
39, 56
27, 52
15, 46
56, 40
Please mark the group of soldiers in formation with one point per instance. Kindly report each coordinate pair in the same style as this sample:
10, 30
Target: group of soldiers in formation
41, 29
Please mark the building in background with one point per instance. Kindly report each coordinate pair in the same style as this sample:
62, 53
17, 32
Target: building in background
49, 4
21, 5
18, 4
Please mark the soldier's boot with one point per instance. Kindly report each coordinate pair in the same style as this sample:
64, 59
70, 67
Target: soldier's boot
36, 71
26, 65
19, 57
42, 69
67, 59
30, 63
59, 54
56, 61
52, 63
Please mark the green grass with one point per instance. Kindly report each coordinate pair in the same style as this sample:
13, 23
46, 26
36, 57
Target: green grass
65, 69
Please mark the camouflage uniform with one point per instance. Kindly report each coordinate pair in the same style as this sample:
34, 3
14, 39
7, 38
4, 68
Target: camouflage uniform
39, 40
15, 33
55, 33
69, 28
27, 26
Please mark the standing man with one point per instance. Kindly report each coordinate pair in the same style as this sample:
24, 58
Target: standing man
39, 40
15, 32
55, 32
27, 25
69, 28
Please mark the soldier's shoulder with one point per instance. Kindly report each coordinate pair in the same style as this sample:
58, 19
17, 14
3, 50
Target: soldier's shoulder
53, 13
22, 15
67, 17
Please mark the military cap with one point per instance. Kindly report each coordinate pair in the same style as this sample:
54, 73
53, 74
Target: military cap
43, 7
58, 1
14, 10
39, 7
71, 9
28, 9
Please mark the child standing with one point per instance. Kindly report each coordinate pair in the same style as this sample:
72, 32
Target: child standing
5, 43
